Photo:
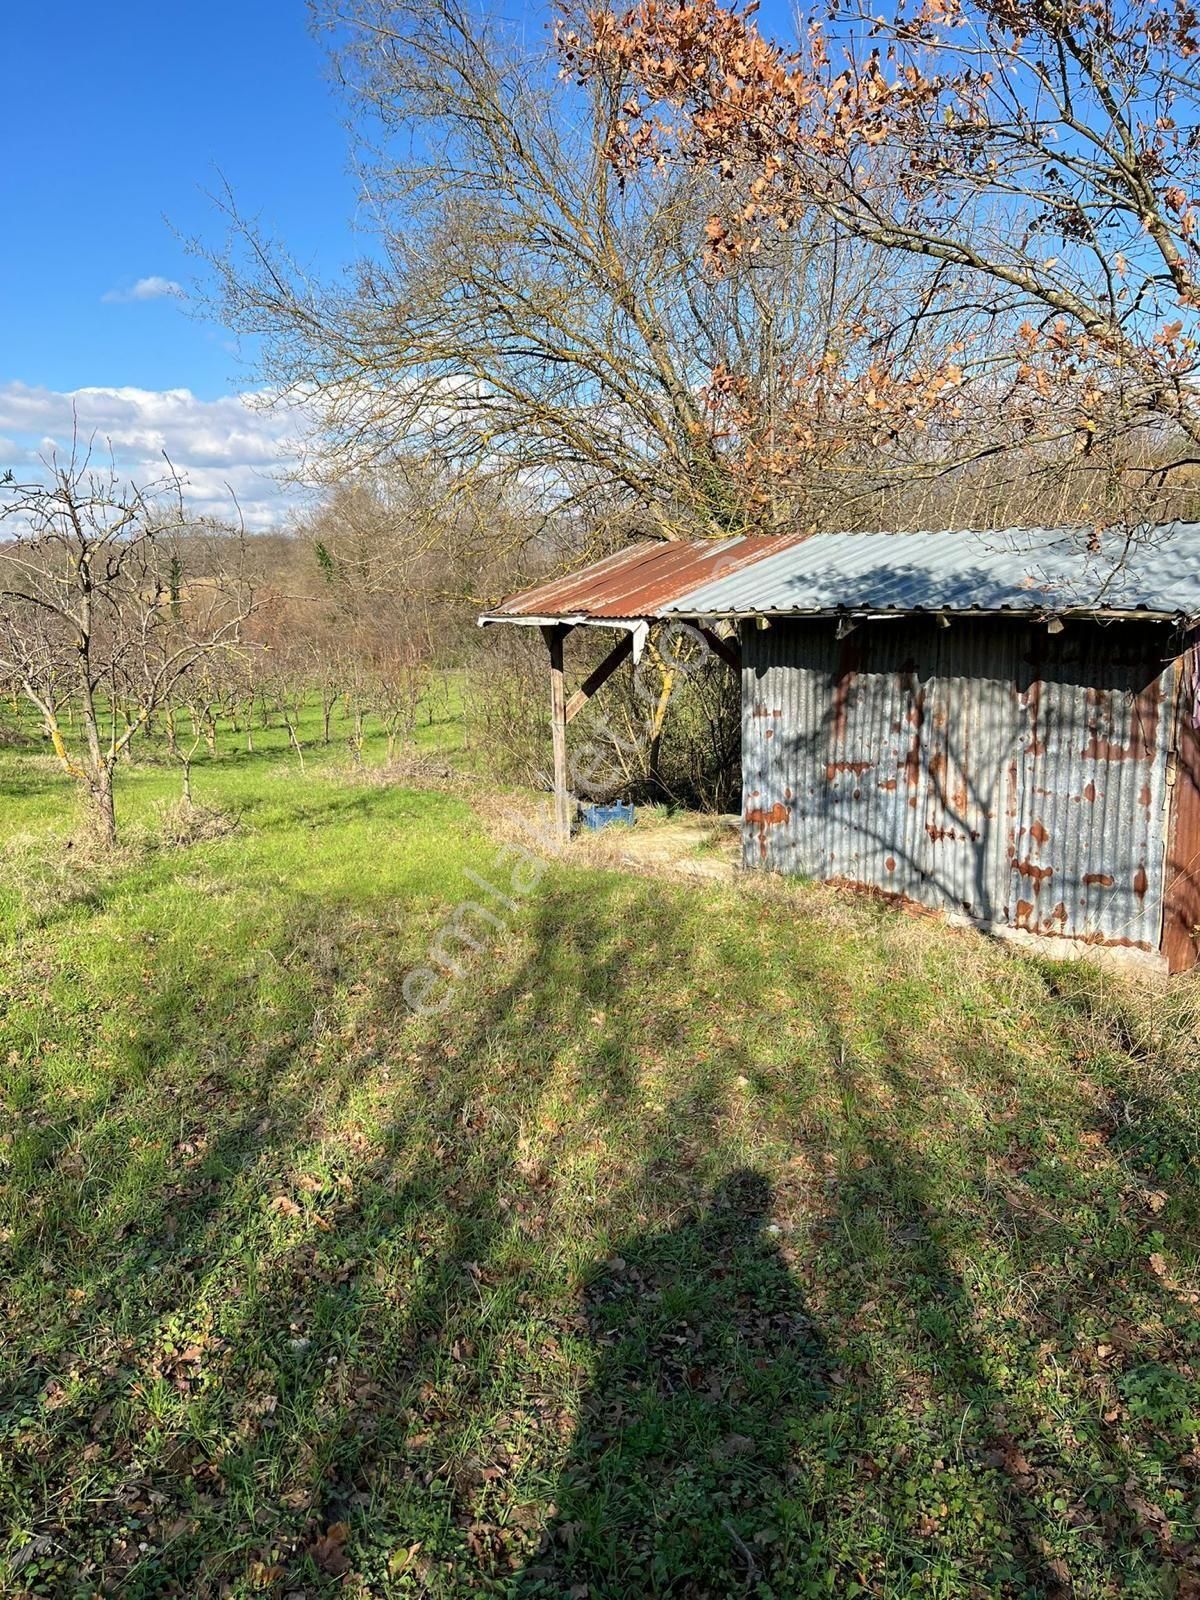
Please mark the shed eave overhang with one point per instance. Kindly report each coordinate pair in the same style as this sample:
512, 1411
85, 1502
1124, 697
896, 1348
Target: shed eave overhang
877, 614
565, 619
856, 613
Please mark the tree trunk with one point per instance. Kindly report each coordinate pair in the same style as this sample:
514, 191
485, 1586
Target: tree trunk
103, 806
187, 780
98, 772
654, 766
60, 746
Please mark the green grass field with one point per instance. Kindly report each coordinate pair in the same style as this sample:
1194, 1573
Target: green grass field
710, 1243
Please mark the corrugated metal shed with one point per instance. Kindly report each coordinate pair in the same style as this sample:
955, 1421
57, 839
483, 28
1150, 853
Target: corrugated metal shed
1154, 571
1045, 779
1015, 777
637, 583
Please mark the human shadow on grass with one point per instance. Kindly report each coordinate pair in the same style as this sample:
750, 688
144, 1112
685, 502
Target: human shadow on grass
149, 1244
707, 1355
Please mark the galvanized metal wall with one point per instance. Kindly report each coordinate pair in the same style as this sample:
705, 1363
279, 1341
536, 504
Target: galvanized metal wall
987, 767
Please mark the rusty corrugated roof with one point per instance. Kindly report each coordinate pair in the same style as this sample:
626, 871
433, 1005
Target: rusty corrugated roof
1153, 570
638, 582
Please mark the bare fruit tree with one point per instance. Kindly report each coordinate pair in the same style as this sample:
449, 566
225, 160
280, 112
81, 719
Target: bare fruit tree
110, 596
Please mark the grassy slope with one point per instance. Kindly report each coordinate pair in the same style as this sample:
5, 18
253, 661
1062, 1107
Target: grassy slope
708, 1245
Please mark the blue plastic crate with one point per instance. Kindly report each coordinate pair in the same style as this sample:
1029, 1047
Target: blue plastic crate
596, 817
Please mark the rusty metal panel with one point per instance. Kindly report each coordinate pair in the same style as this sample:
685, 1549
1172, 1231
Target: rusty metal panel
995, 770
1181, 931
639, 582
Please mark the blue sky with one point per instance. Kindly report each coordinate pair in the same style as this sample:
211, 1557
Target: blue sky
114, 121
116, 124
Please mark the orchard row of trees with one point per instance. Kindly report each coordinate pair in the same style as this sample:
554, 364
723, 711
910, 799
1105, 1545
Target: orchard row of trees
128, 628
121, 616
103, 624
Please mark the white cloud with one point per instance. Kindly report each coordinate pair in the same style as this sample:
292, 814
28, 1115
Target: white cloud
152, 288
239, 445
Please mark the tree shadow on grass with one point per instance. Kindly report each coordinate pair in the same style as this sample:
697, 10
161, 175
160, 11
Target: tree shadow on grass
707, 1355
1144, 1059
994, 1286
350, 1287
362, 1324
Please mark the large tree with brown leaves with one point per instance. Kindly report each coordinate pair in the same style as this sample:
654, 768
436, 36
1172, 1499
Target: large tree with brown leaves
1038, 158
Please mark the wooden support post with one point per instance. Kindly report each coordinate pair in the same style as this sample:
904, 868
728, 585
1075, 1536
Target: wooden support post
728, 649
599, 676
554, 636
